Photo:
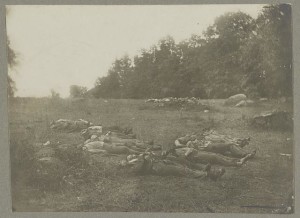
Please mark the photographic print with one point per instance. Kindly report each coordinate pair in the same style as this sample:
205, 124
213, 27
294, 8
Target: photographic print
151, 108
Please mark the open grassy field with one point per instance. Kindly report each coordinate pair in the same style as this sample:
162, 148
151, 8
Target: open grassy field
266, 180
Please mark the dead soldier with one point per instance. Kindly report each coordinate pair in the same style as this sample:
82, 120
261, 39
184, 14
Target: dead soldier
111, 144
211, 141
195, 154
148, 163
70, 125
204, 157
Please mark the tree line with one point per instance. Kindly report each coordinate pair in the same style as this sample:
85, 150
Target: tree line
237, 54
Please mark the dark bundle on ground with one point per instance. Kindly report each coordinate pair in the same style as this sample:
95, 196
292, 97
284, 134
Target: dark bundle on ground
277, 119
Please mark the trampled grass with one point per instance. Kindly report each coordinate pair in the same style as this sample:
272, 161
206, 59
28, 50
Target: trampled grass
267, 180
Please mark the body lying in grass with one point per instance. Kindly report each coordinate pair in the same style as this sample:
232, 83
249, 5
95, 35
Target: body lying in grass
213, 142
108, 147
70, 125
115, 145
204, 157
98, 131
147, 163
213, 148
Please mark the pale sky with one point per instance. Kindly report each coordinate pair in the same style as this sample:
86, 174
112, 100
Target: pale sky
59, 46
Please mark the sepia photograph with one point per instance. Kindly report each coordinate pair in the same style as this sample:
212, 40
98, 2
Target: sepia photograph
151, 108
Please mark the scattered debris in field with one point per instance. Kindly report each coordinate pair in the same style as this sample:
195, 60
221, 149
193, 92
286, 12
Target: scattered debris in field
178, 103
263, 99
287, 155
46, 143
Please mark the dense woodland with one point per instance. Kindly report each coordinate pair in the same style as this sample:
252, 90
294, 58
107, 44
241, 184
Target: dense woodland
237, 54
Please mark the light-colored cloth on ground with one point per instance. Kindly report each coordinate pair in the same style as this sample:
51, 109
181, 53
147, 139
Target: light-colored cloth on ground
244, 103
241, 104
91, 131
233, 100
94, 147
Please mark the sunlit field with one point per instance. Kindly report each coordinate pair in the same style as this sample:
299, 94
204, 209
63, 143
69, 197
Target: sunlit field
262, 185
